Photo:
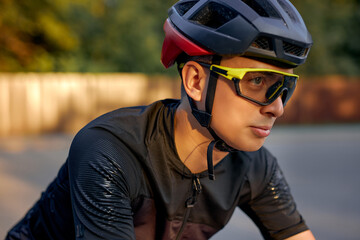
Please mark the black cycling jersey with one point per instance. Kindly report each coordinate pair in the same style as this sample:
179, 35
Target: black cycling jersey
123, 179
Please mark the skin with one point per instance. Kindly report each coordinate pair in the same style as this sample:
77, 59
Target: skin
242, 124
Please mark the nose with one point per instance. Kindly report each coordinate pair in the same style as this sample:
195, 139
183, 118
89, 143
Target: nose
275, 109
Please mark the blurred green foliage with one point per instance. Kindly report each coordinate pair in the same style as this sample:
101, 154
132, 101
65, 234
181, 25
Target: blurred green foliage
127, 35
335, 28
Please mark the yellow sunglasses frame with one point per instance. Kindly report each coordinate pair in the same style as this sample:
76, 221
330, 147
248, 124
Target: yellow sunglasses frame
236, 74
240, 72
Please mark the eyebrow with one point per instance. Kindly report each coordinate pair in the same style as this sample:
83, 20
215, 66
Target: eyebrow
264, 73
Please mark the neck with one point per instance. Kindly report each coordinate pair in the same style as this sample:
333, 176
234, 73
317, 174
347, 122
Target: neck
192, 140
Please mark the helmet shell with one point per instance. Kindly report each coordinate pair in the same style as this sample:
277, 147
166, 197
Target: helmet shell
269, 30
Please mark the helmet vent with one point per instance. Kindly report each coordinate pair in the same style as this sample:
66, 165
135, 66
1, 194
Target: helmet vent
182, 8
294, 49
263, 8
262, 43
288, 9
214, 15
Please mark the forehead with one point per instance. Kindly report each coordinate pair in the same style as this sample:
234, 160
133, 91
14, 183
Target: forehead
243, 62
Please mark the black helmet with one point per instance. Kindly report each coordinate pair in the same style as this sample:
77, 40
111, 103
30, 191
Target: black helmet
269, 30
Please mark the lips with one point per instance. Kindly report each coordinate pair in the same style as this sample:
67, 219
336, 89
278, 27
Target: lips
261, 131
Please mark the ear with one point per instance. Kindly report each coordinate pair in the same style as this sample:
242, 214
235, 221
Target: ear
194, 80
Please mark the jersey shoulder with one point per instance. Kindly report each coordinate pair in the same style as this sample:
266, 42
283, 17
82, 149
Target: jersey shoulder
262, 167
136, 124
118, 140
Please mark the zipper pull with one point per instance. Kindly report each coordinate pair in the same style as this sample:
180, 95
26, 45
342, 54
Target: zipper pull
197, 185
197, 188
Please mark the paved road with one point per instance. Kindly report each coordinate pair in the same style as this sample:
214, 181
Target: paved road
321, 164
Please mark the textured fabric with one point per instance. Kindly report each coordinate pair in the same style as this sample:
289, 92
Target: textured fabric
123, 179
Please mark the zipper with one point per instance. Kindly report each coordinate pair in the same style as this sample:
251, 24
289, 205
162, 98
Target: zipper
190, 202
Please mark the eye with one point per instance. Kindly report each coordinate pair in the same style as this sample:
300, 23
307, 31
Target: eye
257, 80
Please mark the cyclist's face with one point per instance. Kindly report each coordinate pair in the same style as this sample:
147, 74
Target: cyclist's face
241, 123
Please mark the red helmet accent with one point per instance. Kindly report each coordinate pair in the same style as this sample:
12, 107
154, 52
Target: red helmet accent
175, 43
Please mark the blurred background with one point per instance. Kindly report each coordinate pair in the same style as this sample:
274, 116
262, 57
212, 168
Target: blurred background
63, 63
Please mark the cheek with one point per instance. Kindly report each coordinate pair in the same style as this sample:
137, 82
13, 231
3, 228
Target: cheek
227, 108
229, 111
232, 118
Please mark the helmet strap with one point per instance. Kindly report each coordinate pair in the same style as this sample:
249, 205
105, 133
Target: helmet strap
204, 118
210, 94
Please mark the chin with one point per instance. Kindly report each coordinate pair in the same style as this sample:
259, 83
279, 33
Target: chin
249, 146
251, 149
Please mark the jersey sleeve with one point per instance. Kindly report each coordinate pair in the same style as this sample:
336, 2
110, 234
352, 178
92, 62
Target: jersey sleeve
102, 181
269, 202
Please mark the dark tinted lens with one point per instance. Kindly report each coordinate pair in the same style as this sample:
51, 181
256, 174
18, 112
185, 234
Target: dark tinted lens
273, 90
290, 84
261, 86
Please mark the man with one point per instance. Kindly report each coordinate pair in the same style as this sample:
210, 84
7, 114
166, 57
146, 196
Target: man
178, 169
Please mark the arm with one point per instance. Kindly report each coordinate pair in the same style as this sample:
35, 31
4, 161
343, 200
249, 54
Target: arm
307, 235
100, 187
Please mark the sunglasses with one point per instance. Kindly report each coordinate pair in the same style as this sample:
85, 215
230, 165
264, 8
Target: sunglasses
259, 85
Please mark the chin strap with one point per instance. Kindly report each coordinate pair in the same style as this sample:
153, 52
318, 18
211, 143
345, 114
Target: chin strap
204, 118
220, 145
210, 163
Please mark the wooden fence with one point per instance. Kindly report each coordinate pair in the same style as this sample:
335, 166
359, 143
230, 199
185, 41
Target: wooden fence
37, 103
324, 100
33, 103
